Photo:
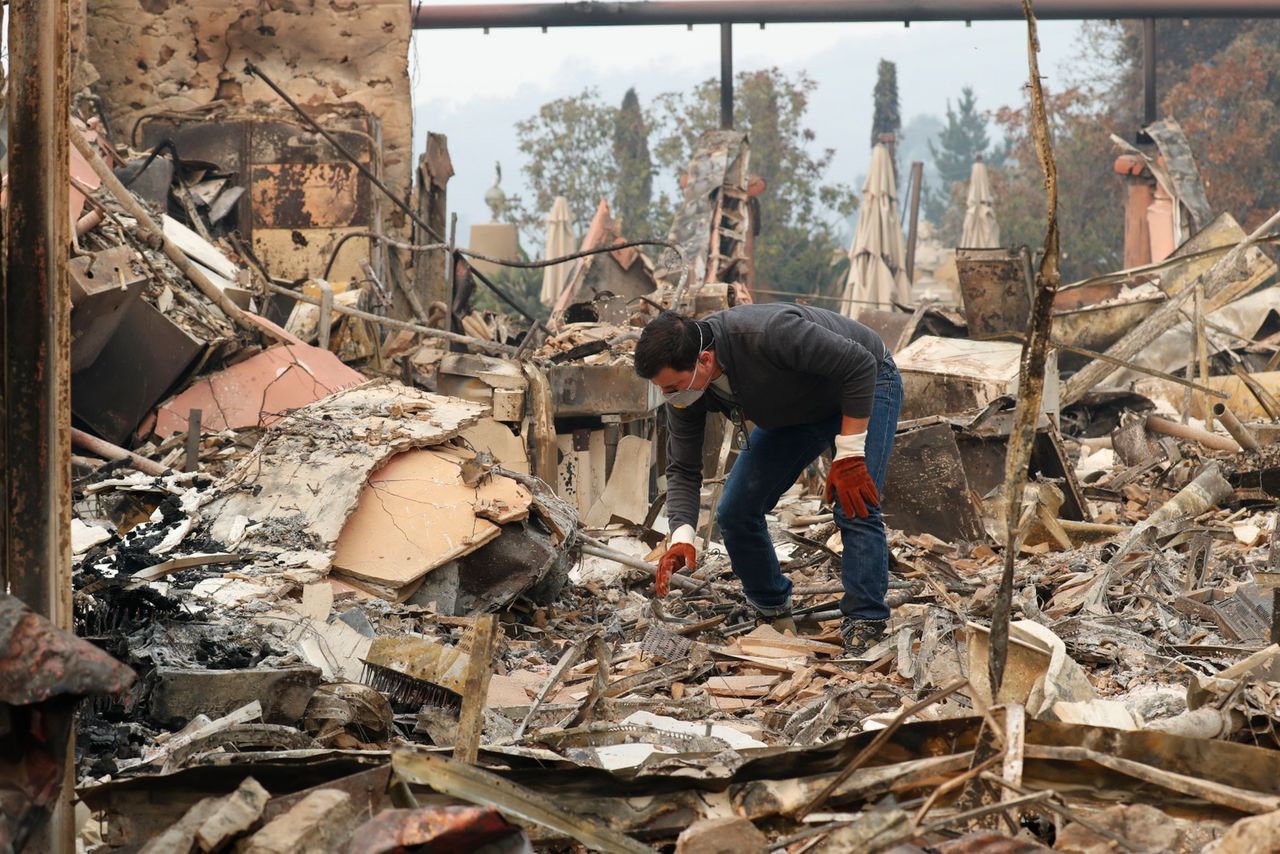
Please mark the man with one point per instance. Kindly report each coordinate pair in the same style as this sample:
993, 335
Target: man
810, 380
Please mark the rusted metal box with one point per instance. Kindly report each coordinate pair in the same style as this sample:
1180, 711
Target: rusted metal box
994, 286
578, 390
301, 196
145, 357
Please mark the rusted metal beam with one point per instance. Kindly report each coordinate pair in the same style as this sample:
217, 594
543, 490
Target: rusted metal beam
37, 350
37, 310
689, 12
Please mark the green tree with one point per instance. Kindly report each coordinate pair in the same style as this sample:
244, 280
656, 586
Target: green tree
1220, 78
569, 151
800, 210
1090, 216
887, 117
962, 140
634, 194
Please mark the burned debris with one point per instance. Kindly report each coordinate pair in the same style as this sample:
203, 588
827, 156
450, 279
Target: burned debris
361, 565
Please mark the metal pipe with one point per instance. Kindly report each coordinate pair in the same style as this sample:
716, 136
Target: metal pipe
689, 12
917, 176
492, 347
108, 451
599, 549
1165, 427
1150, 110
726, 76
1238, 431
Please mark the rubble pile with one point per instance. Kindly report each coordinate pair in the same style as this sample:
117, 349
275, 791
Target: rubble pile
375, 587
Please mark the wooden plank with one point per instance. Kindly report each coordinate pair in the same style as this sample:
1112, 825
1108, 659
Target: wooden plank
741, 686
768, 642
476, 691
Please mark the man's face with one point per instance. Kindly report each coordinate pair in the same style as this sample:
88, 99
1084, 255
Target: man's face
669, 380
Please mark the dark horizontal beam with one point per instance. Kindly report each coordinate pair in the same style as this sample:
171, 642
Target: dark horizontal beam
656, 12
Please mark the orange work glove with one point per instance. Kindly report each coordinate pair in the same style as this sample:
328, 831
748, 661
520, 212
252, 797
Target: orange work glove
851, 482
680, 554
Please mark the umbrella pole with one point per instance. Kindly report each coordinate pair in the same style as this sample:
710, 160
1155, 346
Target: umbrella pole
917, 175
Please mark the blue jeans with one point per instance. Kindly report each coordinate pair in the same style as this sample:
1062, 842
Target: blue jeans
769, 466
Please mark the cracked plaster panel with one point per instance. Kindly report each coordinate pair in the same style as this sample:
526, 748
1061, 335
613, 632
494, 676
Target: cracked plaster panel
179, 55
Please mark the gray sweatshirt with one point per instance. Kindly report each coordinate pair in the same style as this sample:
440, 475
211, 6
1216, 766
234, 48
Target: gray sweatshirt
788, 364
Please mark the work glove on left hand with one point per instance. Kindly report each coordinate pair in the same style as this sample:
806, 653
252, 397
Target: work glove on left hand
849, 479
679, 555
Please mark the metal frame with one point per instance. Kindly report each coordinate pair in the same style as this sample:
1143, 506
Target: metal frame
666, 12
726, 13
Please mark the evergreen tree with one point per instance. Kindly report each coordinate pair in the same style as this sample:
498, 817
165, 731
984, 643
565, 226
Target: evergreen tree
962, 141
635, 168
887, 117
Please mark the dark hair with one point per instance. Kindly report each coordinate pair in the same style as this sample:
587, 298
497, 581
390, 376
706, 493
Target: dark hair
669, 341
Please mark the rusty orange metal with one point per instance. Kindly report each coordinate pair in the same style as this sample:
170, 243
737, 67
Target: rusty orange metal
447, 830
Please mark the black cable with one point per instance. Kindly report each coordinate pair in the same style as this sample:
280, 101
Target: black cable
162, 145
409, 247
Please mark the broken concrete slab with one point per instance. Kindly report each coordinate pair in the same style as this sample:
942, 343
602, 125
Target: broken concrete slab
417, 513
305, 477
